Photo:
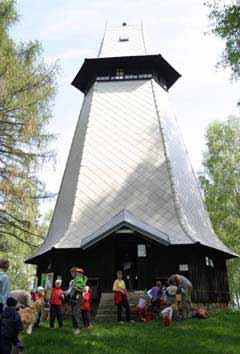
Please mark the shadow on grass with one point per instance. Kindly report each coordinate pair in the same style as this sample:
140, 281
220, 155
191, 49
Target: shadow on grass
216, 335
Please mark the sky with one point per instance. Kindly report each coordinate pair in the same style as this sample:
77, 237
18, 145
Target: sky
71, 30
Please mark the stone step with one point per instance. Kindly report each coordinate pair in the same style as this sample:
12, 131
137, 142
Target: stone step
109, 296
107, 310
112, 305
113, 317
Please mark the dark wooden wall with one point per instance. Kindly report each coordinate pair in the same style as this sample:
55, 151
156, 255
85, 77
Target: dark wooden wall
209, 283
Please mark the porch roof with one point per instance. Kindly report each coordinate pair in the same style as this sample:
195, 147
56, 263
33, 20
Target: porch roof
124, 218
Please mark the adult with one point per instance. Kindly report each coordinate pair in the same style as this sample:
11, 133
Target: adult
4, 292
75, 291
182, 283
4, 283
120, 297
185, 285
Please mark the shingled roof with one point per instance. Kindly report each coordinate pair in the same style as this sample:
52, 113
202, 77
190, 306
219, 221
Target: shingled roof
128, 166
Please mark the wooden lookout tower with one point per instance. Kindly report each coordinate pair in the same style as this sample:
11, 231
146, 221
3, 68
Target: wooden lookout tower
129, 199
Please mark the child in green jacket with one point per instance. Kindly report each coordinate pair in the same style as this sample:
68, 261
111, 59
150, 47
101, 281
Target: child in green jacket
79, 282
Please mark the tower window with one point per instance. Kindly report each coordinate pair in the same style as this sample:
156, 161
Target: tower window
124, 38
119, 72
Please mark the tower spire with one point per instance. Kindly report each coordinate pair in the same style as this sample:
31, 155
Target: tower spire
122, 40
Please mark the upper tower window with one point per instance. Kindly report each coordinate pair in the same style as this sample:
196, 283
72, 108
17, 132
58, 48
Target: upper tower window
123, 37
119, 73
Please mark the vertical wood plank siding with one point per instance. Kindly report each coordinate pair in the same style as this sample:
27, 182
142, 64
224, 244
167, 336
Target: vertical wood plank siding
210, 284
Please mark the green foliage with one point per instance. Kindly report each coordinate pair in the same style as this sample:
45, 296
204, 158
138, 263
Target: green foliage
225, 19
27, 87
217, 335
221, 185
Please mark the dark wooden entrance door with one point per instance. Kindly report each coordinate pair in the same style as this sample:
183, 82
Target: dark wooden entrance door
126, 260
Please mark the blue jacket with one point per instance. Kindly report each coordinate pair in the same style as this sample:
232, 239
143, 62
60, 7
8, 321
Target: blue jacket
11, 323
4, 288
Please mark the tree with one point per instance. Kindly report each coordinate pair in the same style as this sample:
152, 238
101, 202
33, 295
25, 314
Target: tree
220, 181
225, 21
27, 87
22, 275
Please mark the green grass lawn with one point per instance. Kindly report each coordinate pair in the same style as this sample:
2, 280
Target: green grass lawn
219, 334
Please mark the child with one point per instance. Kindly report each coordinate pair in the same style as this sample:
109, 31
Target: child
171, 293
156, 291
141, 307
4, 283
79, 282
56, 304
85, 307
155, 294
201, 313
11, 327
167, 316
39, 305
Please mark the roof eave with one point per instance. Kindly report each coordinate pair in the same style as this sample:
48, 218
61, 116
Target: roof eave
90, 67
90, 240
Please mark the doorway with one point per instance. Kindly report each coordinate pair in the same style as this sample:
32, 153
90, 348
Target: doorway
126, 260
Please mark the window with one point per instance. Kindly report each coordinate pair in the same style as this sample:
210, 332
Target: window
145, 76
119, 72
102, 78
209, 262
124, 37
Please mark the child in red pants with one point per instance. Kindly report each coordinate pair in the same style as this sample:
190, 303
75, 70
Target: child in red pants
86, 307
56, 304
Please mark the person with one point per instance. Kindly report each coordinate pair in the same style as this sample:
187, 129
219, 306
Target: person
120, 297
201, 313
156, 291
4, 289
186, 286
11, 327
39, 305
171, 292
79, 281
4, 283
141, 307
183, 283
85, 307
75, 291
155, 294
56, 304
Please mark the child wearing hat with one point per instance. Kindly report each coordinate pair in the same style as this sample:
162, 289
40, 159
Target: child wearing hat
56, 304
79, 281
11, 327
